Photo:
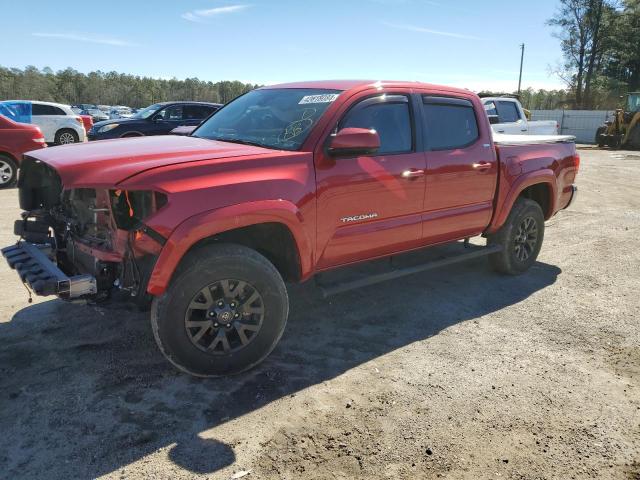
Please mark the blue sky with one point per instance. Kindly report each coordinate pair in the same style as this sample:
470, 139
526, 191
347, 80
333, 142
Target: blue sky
467, 43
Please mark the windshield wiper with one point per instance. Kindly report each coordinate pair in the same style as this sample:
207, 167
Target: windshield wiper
240, 141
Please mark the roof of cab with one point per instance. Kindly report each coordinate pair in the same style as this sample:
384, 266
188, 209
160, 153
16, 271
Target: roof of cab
359, 84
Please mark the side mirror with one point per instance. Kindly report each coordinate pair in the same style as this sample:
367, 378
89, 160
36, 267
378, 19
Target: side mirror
494, 119
354, 141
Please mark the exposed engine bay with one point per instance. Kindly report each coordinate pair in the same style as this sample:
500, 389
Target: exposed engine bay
96, 237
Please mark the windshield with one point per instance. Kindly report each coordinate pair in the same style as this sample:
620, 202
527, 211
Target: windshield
634, 102
147, 112
274, 118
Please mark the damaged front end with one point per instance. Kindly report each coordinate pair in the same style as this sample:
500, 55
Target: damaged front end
82, 243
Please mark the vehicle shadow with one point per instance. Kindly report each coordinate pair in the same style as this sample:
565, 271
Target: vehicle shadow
85, 391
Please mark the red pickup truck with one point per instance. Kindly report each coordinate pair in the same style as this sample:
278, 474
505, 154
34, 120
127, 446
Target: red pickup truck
280, 184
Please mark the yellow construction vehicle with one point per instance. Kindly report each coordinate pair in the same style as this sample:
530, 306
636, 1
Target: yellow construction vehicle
624, 130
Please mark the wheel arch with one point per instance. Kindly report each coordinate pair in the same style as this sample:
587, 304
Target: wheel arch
539, 186
10, 155
66, 128
273, 228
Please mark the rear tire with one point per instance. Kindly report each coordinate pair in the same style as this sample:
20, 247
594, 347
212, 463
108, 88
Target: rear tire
223, 313
8, 171
521, 238
66, 136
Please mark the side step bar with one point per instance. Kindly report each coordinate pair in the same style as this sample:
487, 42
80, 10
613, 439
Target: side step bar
329, 290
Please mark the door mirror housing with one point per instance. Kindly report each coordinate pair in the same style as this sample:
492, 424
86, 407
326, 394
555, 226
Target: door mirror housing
354, 141
494, 119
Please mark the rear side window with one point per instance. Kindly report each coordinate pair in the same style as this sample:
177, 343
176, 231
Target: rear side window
39, 109
450, 123
196, 112
508, 112
389, 116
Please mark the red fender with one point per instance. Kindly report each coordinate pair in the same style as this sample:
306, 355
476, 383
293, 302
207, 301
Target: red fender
506, 200
213, 222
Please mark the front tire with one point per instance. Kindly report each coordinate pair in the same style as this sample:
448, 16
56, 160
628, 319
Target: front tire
8, 171
521, 238
223, 313
66, 136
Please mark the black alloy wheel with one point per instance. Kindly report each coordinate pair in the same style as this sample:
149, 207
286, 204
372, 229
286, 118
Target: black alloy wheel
224, 316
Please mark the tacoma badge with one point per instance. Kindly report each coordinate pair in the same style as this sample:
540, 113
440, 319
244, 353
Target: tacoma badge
357, 218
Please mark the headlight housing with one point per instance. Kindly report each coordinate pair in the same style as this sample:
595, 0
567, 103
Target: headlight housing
106, 128
131, 207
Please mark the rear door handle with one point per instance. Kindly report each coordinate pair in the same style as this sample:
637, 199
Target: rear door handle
482, 166
412, 173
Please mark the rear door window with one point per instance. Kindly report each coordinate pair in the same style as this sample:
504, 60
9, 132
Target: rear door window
196, 112
38, 109
508, 112
449, 123
389, 116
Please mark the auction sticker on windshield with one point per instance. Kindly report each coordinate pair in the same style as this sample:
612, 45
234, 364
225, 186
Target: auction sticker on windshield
325, 98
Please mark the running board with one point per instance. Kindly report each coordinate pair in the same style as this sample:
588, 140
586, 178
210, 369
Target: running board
341, 287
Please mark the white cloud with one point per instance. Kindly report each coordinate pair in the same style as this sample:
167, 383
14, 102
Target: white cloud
75, 37
201, 15
413, 28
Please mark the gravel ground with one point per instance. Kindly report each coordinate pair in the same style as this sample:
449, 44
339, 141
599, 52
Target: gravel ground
457, 373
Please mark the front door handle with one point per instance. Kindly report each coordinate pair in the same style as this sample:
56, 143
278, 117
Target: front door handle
482, 166
412, 173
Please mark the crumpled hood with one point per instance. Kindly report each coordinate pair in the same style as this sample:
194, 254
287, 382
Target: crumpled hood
106, 163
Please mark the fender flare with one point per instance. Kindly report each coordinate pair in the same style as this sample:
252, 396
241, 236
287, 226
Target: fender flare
545, 176
213, 222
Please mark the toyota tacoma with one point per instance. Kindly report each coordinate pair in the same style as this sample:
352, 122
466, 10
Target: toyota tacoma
279, 185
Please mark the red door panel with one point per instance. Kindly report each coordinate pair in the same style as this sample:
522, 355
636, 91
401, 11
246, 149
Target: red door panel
462, 169
370, 206
375, 188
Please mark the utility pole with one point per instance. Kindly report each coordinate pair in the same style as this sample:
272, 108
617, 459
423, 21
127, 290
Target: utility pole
521, 62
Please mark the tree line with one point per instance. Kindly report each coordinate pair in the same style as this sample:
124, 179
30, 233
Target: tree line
72, 87
600, 41
110, 88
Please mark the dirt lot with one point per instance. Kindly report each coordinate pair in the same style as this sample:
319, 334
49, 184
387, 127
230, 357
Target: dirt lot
457, 373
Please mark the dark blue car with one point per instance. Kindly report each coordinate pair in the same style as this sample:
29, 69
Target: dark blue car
157, 119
